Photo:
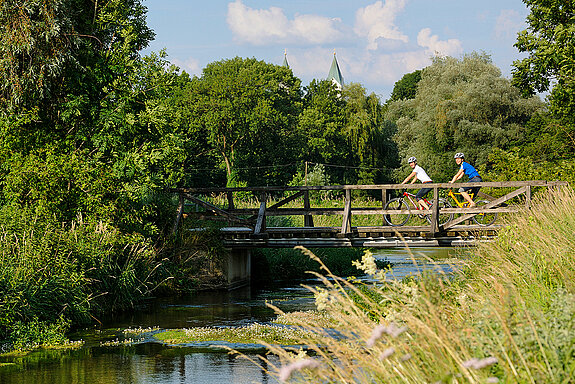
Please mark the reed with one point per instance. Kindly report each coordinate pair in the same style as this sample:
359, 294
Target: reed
507, 315
53, 275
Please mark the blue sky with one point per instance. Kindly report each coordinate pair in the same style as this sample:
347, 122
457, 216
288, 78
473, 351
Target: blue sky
376, 42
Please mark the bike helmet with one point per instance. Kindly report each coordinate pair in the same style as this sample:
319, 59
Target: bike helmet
412, 159
458, 155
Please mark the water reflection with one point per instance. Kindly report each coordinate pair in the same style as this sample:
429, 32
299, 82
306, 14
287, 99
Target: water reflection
150, 362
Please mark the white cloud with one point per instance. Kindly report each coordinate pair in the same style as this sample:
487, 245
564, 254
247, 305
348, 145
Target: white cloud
376, 22
271, 26
508, 23
451, 47
190, 65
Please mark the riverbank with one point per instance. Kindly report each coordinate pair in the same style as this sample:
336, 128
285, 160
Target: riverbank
508, 316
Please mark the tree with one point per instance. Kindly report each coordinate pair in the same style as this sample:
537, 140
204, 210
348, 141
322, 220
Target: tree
368, 134
549, 41
460, 106
248, 109
406, 87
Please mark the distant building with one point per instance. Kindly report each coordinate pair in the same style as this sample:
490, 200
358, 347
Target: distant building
335, 74
285, 63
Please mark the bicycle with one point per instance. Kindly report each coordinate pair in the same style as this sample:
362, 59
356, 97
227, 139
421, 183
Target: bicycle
403, 204
483, 219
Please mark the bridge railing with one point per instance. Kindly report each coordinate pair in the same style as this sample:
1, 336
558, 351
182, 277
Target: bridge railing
255, 218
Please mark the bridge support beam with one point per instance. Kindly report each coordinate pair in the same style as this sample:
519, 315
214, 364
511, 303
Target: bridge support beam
238, 267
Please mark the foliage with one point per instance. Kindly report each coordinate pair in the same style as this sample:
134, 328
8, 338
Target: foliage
549, 42
289, 264
406, 87
80, 271
460, 106
248, 109
346, 128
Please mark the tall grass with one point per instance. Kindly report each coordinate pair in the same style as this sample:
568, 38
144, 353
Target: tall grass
53, 275
507, 316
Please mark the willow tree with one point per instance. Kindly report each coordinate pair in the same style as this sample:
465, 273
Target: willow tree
461, 105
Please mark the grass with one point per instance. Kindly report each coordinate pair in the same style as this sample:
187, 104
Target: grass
508, 316
253, 333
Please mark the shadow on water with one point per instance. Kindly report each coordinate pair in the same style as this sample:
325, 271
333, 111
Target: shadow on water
147, 361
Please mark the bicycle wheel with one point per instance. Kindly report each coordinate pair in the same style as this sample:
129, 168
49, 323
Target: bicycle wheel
443, 217
484, 218
398, 219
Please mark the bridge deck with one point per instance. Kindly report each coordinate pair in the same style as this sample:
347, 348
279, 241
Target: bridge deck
373, 237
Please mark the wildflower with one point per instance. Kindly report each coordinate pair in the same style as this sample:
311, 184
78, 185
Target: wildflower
405, 357
367, 263
322, 299
286, 372
391, 330
388, 352
479, 364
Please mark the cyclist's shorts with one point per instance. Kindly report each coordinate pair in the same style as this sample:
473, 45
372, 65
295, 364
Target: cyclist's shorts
474, 190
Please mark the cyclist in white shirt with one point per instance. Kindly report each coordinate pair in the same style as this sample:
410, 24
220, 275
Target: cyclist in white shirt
418, 174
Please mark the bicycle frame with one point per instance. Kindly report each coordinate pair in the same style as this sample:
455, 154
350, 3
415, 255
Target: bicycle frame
454, 197
413, 201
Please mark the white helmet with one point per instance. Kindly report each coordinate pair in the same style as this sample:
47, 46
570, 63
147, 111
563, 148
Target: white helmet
458, 155
412, 159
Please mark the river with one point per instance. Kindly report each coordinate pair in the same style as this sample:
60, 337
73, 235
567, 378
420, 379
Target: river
145, 361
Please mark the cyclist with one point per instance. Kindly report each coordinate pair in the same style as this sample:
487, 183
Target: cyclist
471, 172
418, 174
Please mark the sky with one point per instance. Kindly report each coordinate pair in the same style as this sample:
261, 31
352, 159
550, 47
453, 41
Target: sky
375, 42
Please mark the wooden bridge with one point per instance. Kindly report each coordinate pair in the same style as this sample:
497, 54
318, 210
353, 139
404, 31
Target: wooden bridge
251, 226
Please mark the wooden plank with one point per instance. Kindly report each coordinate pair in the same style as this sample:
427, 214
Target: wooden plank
493, 203
346, 222
435, 213
213, 208
261, 222
230, 200
307, 218
488, 184
179, 213
281, 202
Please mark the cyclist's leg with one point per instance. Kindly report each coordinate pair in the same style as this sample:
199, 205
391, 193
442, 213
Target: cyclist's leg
420, 195
465, 195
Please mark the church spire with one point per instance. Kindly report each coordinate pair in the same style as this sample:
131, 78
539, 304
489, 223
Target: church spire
334, 73
285, 63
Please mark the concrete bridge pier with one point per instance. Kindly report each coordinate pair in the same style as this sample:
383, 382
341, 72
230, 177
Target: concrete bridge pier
238, 268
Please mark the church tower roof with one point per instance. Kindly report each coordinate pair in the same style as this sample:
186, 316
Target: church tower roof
334, 73
285, 63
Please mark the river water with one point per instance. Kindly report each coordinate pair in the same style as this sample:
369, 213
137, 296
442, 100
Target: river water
145, 361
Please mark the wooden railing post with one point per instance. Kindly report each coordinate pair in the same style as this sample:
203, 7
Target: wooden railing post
435, 212
383, 202
307, 218
528, 197
346, 223
179, 213
260, 227
230, 200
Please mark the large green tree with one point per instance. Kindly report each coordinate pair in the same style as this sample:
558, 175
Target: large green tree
248, 109
549, 42
461, 105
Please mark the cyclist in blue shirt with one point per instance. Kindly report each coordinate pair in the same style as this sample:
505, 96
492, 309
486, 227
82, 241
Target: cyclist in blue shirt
471, 172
